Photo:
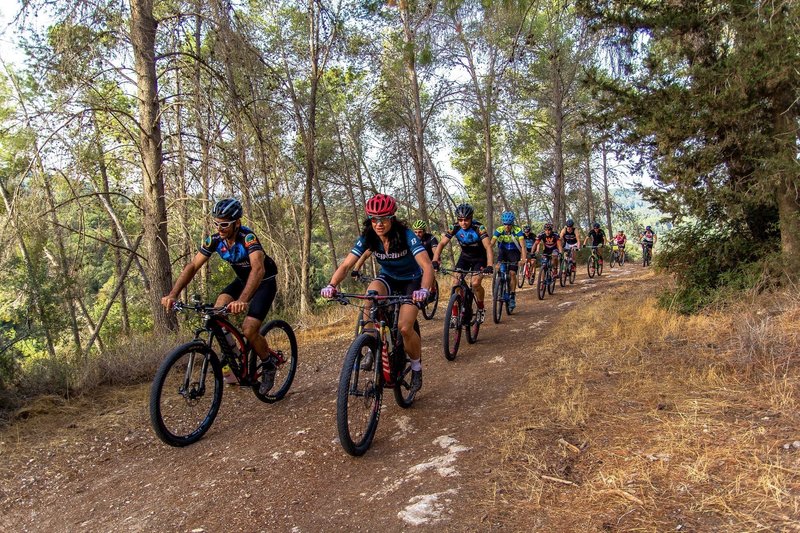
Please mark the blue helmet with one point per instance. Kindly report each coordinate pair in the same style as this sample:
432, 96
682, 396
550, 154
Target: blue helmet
570, 223
464, 211
507, 217
227, 208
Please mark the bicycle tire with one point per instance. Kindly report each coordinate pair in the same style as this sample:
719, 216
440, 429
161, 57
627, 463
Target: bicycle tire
359, 326
599, 268
497, 298
402, 381
551, 286
613, 260
572, 272
562, 273
429, 311
450, 344
532, 275
590, 267
169, 380
474, 325
521, 276
508, 300
359, 394
286, 346
540, 286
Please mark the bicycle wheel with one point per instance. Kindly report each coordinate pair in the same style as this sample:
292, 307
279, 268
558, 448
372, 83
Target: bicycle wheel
532, 275
186, 394
599, 266
358, 399
613, 260
522, 275
498, 294
508, 292
562, 272
473, 326
402, 382
541, 287
451, 336
282, 346
551, 285
430, 308
572, 272
590, 266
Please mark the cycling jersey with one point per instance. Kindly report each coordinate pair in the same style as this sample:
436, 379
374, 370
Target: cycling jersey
569, 236
429, 242
530, 238
238, 255
550, 241
620, 240
598, 236
508, 240
399, 265
648, 237
470, 239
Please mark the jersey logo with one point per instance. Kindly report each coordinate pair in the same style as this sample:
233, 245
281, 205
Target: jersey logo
207, 241
250, 240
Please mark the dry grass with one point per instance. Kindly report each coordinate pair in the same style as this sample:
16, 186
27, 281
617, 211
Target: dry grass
680, 423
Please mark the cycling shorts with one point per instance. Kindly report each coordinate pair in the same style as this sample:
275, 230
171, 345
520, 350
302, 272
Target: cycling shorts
402, 287
550, 251
261, 301
470, 263
512, 256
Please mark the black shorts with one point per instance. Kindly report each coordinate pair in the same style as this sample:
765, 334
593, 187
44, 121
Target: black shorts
470, 263
550, 251
401, 287
510, 256
261, 301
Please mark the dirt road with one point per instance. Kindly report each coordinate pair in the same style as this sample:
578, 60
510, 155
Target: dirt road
280, 467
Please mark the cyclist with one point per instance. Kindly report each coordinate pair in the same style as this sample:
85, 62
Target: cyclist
476, 252
551, 243
510, 243
620, 239
529, 237
254, 287
648, 238
570, 239
428, 240
405, 269
598, 237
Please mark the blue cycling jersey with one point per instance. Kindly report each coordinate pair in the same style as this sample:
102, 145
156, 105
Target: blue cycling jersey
400, 265
238, 254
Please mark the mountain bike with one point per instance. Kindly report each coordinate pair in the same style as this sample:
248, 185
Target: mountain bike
547, 278
528, 272
462, 312
375, 360
620, 255
501, 290
429, 310
647, 253
593, 264
186, 393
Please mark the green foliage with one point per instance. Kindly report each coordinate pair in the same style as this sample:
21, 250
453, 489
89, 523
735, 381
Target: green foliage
710, 263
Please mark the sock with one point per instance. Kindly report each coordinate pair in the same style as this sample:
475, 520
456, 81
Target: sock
416, 365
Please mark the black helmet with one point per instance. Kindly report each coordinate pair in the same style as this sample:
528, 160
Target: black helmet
648, 228
464, 211
570, 223
548, 226
596, 225
526, 228
227, 208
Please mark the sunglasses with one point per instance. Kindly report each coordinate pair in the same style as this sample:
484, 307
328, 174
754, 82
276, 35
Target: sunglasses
379, 220
223, 225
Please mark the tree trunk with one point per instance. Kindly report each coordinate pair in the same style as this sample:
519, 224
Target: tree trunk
788, 185
589, 195
417, 147
558, 146
143, 37
202, 139
606, 191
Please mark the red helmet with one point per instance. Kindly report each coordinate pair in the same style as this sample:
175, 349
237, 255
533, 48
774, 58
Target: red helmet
381, 205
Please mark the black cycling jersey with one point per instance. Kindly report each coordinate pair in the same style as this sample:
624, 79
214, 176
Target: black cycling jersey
429, 242
238, 254
598, 236
570, 237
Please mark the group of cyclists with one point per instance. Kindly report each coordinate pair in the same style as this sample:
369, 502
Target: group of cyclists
408, 257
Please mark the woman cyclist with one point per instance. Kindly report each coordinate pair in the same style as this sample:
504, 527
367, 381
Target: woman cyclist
405, 269
570, 239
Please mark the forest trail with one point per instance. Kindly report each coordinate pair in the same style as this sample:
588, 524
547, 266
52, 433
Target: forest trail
280, 467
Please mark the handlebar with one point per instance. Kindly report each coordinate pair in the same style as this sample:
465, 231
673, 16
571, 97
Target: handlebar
461, 271
377, 299
179, 306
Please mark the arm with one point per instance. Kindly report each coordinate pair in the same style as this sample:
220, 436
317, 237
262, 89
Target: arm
522, 250
427, 270
185, 277
360, 262
254, 279
437, 253
489, 254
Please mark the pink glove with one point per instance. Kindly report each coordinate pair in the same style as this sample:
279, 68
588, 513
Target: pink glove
328, 292
420, 295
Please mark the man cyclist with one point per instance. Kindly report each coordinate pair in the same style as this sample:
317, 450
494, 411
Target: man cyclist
570, 239
510, 243
405, 269
551, 243
428, 240
476, 251
620, 239
254, 287
529, 237
598, 237
648, 239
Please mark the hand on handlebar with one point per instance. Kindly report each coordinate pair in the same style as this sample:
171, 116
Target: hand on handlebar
355, 274
328, 292
436, 265
420, 295
237, 306
488, 269
168, 302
